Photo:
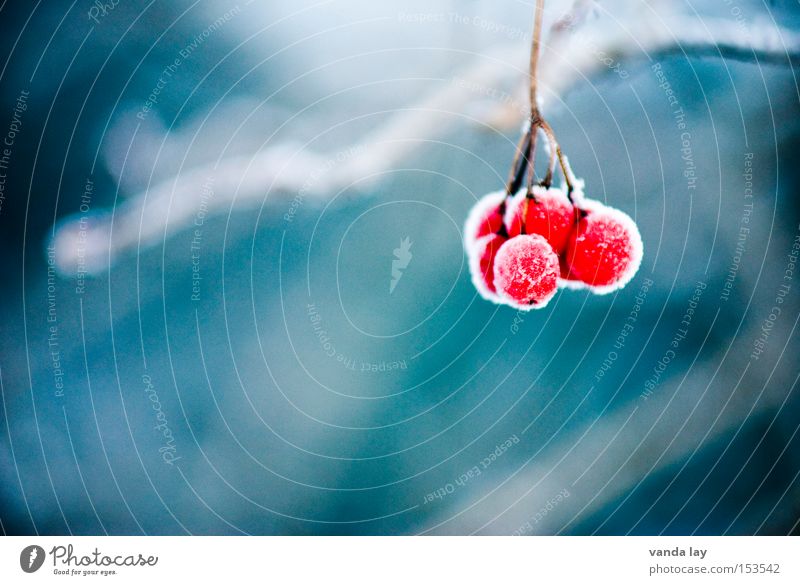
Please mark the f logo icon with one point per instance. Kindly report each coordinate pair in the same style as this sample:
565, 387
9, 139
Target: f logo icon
31, 558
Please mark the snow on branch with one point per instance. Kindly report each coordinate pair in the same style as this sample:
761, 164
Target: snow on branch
282, 171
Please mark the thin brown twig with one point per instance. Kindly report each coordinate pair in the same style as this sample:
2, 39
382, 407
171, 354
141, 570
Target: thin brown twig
551, 165
512, 185
556, 150
534, 59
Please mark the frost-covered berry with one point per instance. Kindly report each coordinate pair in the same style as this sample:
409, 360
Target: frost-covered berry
526, 272
485, 217
549, 213
481, 264
604, 250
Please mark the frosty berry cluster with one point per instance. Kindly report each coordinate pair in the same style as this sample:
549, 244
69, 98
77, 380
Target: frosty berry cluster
523, 248
525, 244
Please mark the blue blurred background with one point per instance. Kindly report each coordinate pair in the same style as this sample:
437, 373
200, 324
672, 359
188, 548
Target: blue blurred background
289, 387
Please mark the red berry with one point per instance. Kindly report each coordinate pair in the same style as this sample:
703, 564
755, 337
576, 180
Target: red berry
484, 218
526, 271
604, 250
567, 279
481, 264
549, 213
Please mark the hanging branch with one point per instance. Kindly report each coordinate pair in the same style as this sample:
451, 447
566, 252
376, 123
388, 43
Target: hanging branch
280, 170
519, 165
526, 149
536, 117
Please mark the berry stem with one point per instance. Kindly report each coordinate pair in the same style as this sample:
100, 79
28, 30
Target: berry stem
518, 165
534, 62
551, 166
536, 118
525, 154
531, 157
556, 152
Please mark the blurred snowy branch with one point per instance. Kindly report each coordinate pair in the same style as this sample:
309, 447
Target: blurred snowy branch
281, 171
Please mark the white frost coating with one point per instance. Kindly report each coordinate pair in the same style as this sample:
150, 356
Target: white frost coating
519, 307
474, 254
637, 248
485, 203
572, 284
551, 261
171, 205
477, 215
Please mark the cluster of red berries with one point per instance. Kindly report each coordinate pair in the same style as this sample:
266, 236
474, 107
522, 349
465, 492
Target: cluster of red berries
521, 249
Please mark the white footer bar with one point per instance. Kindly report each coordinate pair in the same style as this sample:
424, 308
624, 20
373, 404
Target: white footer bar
371, 560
